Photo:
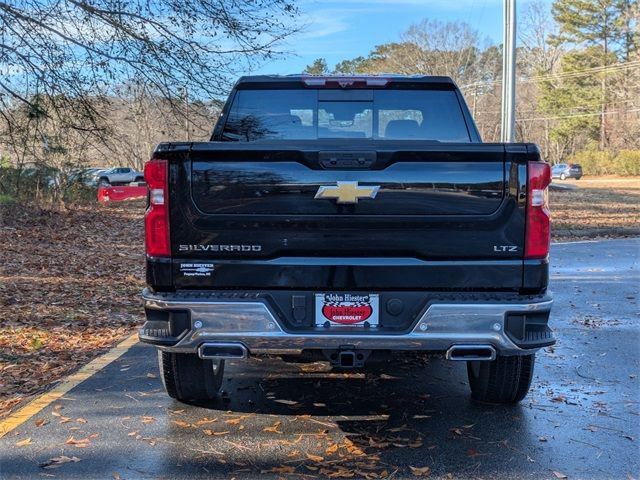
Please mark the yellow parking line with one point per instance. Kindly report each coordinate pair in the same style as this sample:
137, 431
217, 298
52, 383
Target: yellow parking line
44, 400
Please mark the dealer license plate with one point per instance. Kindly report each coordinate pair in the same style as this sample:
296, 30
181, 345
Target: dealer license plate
346, 309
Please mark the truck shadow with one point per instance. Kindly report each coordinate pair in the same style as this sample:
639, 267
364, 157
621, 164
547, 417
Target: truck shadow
413, 411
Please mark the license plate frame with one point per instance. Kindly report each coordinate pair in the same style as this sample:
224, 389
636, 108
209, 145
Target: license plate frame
339, 309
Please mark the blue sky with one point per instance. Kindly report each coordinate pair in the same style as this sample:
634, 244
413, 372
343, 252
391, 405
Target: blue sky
342, 29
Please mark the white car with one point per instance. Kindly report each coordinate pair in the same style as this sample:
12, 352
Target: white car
119, 176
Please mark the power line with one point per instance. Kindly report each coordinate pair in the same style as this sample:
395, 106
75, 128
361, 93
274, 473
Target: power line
557, 117
587, 71
577, 73
615, 102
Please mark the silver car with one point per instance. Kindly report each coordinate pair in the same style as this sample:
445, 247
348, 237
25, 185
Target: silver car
119, 176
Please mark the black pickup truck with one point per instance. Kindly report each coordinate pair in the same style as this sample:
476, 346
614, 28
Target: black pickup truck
347, 218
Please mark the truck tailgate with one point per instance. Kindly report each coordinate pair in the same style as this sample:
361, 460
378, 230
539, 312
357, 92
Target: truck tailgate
438, 210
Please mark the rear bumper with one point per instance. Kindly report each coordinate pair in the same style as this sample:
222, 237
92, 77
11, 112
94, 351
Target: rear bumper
191, 319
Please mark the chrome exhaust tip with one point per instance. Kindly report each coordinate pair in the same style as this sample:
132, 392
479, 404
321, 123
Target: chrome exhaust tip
471, 353
222, 351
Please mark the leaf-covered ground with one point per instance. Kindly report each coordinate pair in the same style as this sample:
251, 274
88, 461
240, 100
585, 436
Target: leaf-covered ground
70, 281
598, 208
69, 289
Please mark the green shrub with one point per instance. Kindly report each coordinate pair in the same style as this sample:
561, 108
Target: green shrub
594, 162
627, 162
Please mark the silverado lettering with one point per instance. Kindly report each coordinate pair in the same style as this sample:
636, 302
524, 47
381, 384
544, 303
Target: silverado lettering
386, 225
220, 248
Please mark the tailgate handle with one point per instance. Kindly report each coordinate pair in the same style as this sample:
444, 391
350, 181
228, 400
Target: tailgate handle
349, 159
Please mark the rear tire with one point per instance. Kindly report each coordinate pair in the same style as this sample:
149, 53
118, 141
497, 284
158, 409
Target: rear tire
188, 378
104, 182
503, 380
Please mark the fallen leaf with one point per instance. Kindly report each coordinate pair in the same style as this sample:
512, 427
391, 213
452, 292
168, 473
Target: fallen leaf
378, 444
273, 428
560, 475
151, 375
280, 469
236, 421
25, 442
205, 421
286, 402
333, 448
82, 443
420, 471
183, 424
40, 422
55, 462
211, 432
315, 458
417, 443
399, 429
81, 420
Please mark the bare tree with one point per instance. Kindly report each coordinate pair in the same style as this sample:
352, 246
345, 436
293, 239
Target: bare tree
74, 51
536, 27
451, 48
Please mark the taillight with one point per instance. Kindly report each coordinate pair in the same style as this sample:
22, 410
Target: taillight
538, 231
156, 218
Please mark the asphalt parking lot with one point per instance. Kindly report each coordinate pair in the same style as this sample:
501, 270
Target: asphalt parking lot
411, 419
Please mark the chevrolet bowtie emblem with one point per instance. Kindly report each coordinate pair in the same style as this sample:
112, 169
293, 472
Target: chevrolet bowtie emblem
347, 192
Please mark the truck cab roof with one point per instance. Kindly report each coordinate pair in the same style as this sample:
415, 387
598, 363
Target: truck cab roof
344, 81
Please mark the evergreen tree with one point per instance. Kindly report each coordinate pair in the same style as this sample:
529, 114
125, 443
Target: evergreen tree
353, 66
318, 67
595, 30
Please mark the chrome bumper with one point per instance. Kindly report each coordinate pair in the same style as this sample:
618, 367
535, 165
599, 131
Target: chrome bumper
252, 324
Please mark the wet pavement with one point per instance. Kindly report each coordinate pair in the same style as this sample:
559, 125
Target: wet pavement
275, 419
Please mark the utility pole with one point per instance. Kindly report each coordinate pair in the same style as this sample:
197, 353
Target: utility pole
186, 112
509, 72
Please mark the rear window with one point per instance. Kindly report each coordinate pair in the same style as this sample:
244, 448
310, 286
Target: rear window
298, 114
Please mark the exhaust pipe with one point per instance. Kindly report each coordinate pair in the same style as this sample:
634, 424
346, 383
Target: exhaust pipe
471, 353
221, 351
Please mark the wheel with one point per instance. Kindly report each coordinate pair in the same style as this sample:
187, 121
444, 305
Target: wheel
104, 182
186, 377
503, 380
139, 179
563, 176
